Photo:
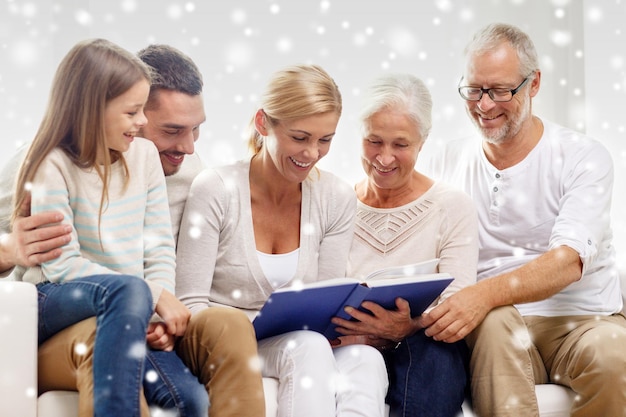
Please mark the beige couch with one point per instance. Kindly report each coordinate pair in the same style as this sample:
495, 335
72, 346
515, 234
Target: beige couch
18, 367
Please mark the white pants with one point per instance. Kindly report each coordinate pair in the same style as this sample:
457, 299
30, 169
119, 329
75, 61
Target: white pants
315, 380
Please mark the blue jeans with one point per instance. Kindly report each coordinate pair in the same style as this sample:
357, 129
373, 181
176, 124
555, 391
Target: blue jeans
122, 305
427, 378
167, 382
170, 385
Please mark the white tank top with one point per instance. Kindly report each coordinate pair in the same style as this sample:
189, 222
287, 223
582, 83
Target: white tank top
280, 268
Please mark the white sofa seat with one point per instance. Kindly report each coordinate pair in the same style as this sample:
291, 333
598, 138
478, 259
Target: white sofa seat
65, 403
554, 400
18, 365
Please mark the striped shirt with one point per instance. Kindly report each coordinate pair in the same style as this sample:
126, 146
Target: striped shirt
133, 234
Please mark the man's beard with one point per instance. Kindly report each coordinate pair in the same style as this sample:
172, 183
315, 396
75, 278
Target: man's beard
507, 131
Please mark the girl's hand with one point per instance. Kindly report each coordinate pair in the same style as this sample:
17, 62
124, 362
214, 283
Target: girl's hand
158, 338
173, 312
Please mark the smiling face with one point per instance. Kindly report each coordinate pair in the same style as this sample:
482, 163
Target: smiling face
295, 146
174, 120
390, 148
124, 117
499, 122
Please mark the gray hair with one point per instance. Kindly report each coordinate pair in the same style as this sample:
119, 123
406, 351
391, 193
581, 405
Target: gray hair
401, 92
495, 34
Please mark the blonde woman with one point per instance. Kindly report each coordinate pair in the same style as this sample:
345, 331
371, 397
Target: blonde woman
275, 220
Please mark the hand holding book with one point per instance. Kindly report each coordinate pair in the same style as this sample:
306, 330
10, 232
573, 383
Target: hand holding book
376, 326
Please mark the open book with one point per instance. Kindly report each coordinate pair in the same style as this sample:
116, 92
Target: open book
311, 306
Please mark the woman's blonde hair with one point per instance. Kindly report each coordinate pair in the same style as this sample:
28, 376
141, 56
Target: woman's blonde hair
91, 74
293, 93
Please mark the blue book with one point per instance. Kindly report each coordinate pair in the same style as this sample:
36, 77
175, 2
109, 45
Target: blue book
312, 306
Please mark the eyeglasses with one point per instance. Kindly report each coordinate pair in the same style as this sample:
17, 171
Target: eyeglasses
500, 95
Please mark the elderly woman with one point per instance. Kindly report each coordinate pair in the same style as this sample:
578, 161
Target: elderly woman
405, 217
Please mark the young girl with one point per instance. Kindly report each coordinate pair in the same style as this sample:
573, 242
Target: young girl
119, 264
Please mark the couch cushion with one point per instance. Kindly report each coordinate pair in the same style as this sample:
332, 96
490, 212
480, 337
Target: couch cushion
58, 404
65, 403
18, 350
554, 400
270, 387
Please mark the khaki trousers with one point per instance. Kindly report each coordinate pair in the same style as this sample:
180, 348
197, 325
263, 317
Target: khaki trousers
219, 347
511, 353
64, 363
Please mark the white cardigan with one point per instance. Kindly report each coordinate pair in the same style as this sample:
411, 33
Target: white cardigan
217, 258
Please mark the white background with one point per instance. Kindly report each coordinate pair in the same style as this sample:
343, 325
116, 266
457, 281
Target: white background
237, 44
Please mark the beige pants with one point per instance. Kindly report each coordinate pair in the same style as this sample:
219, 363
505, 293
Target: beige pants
510, 354
64, 363
219, 347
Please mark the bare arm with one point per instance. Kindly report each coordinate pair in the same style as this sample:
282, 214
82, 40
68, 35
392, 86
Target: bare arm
539, 279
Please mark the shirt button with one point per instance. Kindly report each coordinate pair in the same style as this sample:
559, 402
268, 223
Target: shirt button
495, 189
497, 175
589, 242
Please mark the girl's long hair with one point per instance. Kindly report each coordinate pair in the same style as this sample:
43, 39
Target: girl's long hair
89, 76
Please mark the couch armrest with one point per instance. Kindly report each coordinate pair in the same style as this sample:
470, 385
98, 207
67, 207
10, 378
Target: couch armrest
18, 349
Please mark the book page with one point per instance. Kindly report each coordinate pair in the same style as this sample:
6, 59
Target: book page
398, 281
419, 268
299, 286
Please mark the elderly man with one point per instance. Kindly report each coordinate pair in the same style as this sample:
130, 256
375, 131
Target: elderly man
547, 305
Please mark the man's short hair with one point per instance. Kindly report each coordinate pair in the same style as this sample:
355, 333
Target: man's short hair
172, 70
